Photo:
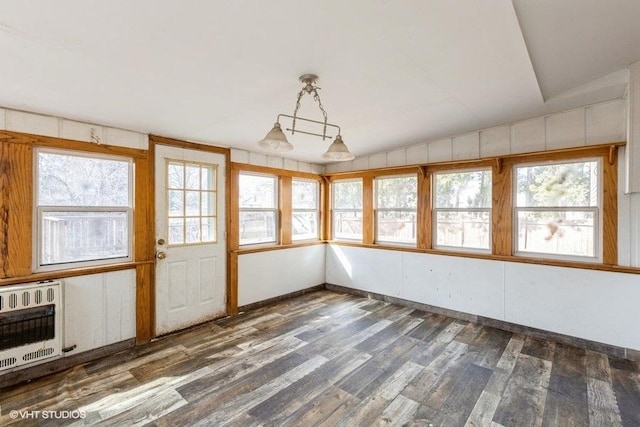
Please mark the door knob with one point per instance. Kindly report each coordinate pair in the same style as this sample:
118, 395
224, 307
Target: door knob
162, 255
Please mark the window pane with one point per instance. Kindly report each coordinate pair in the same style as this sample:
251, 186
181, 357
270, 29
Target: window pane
208, 178
304, 225
176, 231
463, 229
176, 205
257, 227
69, 180
257, 191
393, 226
304, 194
208, 204
193, 203
192, 177
347, 225
208, 229
193, 230
557, 232
463, 189
175, 175
566, 184
397, 192
83, 236
347, 194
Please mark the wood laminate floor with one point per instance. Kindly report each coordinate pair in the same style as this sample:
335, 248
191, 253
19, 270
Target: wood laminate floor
332, 359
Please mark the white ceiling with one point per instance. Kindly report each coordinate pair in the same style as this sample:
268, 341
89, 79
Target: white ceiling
392, 73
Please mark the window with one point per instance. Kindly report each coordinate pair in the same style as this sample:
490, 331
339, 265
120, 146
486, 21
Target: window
347, 209
557, 209
84, 209
396, 209
305, 211
191, 196
258, 209
462, 210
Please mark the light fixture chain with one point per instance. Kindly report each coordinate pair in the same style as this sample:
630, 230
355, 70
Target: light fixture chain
316, 97
295, 112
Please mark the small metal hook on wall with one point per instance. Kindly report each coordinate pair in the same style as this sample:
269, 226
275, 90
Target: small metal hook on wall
94, 137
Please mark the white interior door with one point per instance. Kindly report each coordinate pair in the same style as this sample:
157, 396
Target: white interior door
190, 237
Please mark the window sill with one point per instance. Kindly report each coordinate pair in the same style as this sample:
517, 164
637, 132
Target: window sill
256, 249
73, 272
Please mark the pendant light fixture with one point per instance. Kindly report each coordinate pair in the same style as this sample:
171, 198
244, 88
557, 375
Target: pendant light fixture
277, 141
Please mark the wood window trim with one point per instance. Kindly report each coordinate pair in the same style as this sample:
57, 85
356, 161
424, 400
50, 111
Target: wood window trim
69, 144
285, 208
73, 272
16, 174
244, 167
502, 203
245, 251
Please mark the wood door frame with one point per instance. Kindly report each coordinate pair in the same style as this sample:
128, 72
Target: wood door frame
146, 282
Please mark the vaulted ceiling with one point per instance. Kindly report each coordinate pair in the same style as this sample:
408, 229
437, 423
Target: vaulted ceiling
392, 73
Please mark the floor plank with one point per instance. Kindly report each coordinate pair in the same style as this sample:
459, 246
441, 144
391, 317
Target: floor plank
326, 359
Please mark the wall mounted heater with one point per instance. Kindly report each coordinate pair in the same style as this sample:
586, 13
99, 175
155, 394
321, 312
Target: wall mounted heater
30, 323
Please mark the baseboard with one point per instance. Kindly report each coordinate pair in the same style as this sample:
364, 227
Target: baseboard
60, 364
280, 298
610, 350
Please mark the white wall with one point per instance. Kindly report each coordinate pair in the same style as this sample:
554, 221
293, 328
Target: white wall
264, 275
589, 304
628, 219
591, 125
99, 309
259, 159
38, 124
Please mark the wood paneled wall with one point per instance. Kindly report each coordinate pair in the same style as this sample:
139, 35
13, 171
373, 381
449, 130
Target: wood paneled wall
16, 218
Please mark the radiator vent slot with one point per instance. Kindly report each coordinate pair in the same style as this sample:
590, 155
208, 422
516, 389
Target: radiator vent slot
43, 352
5, 363
13, 301
50, 295
25, 299
38, 296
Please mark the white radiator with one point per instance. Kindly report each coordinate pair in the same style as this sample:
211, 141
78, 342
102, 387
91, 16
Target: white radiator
30, 323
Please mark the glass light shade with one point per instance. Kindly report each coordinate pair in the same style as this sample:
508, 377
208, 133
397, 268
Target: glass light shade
338, 151
276, 140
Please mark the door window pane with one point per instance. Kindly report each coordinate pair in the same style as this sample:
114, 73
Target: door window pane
191, 200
